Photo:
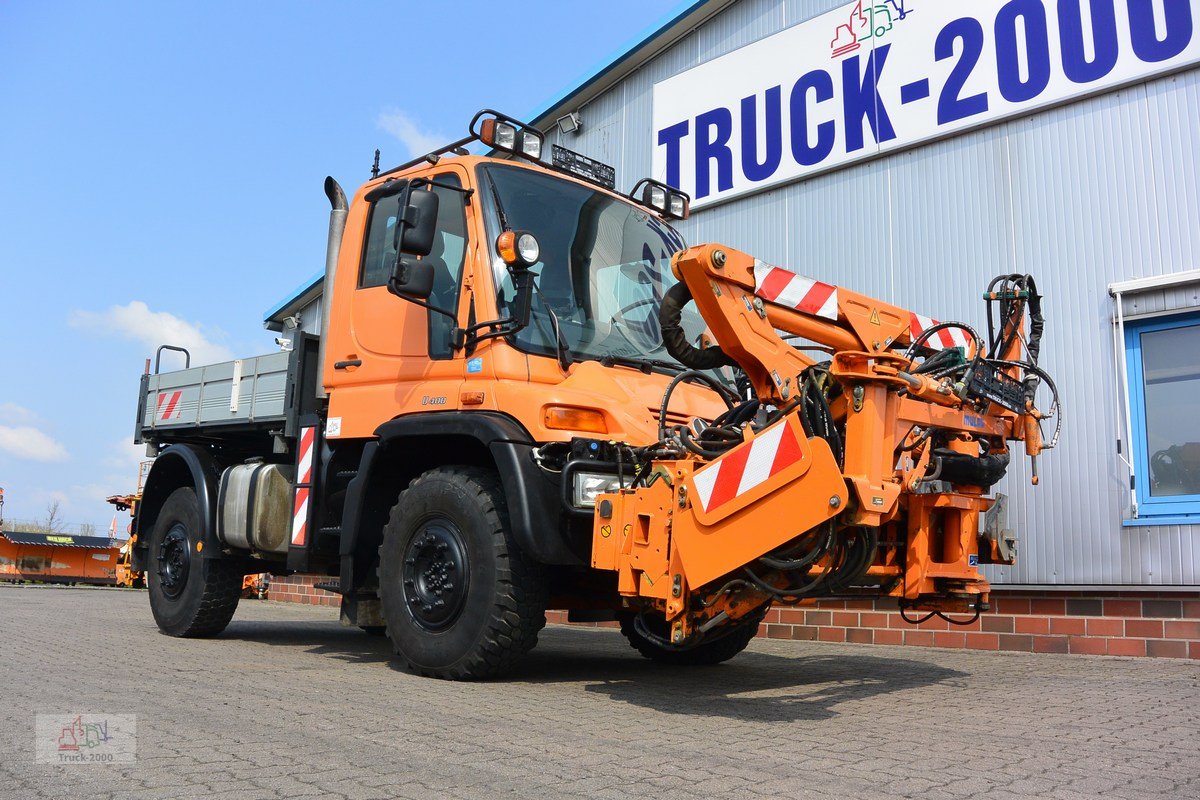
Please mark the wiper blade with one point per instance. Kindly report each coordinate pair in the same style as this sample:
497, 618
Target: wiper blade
644, 364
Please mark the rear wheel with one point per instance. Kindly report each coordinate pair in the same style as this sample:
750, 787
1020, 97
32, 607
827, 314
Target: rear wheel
460, 598
649, 639
189, 595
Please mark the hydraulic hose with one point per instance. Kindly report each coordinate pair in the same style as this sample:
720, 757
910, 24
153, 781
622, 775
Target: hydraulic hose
670, 318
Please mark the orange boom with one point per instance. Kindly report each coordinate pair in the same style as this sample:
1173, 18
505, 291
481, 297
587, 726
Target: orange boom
863, 473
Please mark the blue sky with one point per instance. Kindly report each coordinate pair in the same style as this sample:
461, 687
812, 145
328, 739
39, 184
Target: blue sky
160, 181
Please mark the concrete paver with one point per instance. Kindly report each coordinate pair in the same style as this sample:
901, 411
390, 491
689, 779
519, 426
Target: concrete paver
287, 703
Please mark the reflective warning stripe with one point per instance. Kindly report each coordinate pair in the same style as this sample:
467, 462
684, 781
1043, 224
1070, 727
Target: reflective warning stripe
168, 409
303, 484
943, 339
747, 466
786, 288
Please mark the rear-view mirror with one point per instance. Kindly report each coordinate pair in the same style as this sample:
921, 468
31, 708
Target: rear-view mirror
412, 278
418, 223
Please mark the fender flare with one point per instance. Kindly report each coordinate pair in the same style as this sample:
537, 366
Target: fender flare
180, 465
534, 505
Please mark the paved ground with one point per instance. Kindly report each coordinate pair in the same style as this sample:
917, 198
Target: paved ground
289, 704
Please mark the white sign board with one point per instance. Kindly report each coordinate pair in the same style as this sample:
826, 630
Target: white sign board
873, 77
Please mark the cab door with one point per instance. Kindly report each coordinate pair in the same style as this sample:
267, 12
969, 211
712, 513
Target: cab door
400, 359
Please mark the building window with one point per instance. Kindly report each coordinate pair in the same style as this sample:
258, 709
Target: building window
1163, 359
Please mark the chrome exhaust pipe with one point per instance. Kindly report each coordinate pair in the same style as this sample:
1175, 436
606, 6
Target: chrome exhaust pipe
337, 226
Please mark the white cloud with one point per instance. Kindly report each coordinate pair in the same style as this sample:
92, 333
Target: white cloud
30, 443
138, 323
418, 140
14, 414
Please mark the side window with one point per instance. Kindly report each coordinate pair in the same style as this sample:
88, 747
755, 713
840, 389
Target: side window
380, 252
447, 257
1163, 355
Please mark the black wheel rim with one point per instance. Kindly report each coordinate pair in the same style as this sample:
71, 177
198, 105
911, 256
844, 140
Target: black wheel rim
174, 561
435, 574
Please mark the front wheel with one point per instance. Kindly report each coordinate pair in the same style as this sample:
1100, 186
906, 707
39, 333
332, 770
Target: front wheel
460, 598
189, 595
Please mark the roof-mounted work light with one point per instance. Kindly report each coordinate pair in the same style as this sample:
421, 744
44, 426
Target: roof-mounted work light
666, 200
507, 134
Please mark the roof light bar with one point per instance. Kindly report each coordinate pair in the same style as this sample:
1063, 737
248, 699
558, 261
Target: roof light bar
508, 134
668, 201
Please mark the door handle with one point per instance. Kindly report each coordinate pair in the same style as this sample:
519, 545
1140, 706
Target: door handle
354, 362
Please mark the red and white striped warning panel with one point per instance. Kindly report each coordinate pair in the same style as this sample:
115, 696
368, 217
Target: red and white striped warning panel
943, 339
747, 466
304, 470
786, 288
168, 407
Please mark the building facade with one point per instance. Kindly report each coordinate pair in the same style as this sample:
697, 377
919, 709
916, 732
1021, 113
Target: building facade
928, 191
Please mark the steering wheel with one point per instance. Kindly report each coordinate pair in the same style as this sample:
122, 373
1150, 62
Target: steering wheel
645, 301
632, 330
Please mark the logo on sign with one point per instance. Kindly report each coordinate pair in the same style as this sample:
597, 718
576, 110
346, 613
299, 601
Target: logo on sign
873, 22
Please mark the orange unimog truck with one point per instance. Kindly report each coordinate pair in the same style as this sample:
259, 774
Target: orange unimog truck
528, 393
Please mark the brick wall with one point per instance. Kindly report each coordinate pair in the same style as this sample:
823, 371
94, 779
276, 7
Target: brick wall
1092, 623
299, 589
1156, 624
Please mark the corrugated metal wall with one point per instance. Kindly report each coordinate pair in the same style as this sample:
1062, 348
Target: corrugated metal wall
1101, 190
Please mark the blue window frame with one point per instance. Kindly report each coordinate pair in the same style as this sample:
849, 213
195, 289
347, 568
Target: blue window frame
1163, 359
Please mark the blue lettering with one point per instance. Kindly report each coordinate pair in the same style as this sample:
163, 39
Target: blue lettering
861, 99
1104, 40
952, 106
1036, 45
752, 168
1146, 44
820, 84
671, 137
713, 129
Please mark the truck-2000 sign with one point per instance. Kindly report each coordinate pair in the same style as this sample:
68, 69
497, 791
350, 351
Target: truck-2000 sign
872, 77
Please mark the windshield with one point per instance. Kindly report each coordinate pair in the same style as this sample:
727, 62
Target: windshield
605, 266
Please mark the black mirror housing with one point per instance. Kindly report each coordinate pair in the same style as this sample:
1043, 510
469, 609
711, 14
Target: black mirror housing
418, 223
412, 278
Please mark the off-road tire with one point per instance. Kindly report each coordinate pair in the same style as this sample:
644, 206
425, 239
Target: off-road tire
503, 601
724, 645
208, 597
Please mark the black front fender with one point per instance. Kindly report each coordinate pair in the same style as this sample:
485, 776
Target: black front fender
539, 523
176, 466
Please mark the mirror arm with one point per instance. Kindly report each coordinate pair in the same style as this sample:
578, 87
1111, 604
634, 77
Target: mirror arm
425, 305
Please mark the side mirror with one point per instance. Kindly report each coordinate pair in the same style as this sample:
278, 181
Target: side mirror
417, 224
412, 278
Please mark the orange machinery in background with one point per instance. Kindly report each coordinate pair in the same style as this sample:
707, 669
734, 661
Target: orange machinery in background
57, 558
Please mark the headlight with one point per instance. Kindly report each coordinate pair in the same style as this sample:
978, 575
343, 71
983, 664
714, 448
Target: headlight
590, 485
505, 136
679, 208
531, 145
527, 248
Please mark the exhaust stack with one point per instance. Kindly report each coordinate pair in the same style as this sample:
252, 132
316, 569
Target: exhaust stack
337, 226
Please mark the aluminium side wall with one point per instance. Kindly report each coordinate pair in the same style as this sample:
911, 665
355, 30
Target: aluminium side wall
1081, 195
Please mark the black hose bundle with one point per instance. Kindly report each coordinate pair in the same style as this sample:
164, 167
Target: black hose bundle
816, 384
670, 317
1008, 292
